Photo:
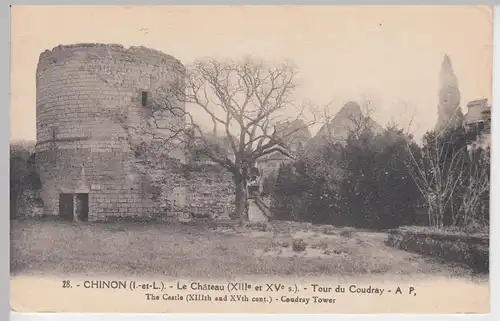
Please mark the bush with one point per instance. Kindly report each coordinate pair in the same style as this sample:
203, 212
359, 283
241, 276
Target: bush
24, 179
298, 245
364, 183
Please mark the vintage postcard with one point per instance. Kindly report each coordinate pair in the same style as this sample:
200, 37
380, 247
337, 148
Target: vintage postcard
250, 159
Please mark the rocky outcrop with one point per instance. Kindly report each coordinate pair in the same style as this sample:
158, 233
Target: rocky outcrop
349, 119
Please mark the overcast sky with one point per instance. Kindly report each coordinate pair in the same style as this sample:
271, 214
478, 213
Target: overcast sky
390, 55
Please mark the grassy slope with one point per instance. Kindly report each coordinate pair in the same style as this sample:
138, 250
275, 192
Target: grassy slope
199, 251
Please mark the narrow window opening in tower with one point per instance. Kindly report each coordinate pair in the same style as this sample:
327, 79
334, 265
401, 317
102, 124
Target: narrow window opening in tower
53, 133
144, 99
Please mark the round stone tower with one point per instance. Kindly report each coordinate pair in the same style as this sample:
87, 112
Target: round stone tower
92, 103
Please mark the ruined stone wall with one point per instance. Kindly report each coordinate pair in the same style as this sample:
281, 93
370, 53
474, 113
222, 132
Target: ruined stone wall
210, 191
93, 138
89, 116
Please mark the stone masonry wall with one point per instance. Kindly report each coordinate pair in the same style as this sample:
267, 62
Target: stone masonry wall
192, 191
114, 188
90, 121
86, 96
210, 191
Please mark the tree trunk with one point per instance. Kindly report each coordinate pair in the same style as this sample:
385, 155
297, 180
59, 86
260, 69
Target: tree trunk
241, 200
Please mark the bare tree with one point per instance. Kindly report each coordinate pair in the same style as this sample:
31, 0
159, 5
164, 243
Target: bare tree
438, 174
244, 101
475, 190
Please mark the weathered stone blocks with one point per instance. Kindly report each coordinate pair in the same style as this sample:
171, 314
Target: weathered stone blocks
89, 117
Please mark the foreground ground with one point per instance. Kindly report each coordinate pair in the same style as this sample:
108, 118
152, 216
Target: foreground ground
201, 250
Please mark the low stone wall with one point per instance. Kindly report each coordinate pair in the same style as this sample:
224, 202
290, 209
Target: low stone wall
472, 250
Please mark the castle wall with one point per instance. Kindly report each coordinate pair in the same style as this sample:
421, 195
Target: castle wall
195, 190
90, 118
210, 191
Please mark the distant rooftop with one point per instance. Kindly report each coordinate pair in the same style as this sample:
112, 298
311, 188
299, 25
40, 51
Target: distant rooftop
476, 109
478, 103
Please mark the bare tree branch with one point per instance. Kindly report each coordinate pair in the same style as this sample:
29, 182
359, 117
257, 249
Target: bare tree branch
244, 101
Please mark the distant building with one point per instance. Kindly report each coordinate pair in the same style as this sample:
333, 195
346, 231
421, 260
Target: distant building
449, 112
476, 110
477, 122
294, 135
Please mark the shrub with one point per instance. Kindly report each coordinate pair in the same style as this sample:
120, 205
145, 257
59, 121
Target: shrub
298, 245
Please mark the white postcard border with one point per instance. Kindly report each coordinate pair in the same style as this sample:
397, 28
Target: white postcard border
495, 201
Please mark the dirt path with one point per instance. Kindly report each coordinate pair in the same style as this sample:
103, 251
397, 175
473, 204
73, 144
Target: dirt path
254, 212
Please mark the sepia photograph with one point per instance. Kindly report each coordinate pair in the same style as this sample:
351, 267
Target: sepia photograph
250, 159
